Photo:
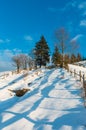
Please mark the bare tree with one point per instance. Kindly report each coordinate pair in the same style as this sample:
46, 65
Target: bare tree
17, 62
31, 62
61, 39
64, 43
24, 61
31, 59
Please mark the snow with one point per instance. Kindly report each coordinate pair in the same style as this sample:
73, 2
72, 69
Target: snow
54, 101
78, 69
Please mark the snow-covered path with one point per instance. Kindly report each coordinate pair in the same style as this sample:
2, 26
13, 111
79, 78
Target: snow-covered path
54, 103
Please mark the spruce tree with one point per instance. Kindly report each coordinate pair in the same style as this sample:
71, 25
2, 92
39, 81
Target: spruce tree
73, 58
79, 58
66, 60
56, 57
42, 52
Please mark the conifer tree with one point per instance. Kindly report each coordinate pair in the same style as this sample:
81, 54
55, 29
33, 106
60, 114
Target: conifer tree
41, 52
56, 57
66, 60
73, 58
79, 58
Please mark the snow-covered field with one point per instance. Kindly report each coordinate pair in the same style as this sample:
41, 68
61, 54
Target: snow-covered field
53, 103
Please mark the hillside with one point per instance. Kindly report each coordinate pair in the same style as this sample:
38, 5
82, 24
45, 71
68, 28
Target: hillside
53, 103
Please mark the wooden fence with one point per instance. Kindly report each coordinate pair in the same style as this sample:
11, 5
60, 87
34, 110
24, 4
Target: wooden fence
80, 75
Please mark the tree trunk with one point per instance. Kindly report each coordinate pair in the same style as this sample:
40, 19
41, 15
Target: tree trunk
17, 69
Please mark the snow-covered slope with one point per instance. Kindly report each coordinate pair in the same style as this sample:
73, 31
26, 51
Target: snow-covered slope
77, 70
81, 63
53, 102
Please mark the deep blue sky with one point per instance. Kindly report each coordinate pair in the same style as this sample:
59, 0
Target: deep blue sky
22, 22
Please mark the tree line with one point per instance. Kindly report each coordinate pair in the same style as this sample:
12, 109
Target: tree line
64, 53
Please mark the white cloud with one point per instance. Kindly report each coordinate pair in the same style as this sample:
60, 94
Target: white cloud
7, 40
82, 5
6, 55
17, 51
83, 23
28, 38
77, 37
66, 7
4, 40
5, 60
1, 41
71, 4
6, 66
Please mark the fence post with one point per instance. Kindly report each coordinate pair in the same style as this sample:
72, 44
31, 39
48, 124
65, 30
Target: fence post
74, 72
71, 72
84, 87
83, 80
68, 69
80, 75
